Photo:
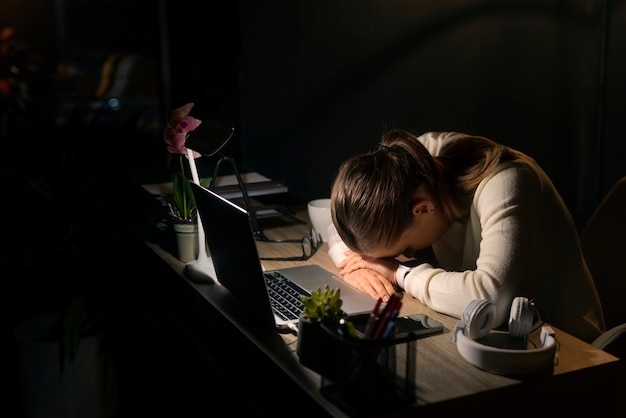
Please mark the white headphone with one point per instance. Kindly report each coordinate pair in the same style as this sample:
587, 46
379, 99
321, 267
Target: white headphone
476, 324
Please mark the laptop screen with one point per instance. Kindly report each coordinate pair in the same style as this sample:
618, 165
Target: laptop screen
233, 250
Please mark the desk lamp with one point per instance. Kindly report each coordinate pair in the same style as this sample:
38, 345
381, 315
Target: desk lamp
207, 139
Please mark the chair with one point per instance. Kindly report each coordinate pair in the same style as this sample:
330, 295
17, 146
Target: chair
613, 341
603, 243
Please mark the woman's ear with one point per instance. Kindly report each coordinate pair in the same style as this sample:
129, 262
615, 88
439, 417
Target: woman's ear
423, 206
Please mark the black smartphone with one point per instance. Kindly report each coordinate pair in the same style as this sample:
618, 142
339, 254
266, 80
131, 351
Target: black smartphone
418, 324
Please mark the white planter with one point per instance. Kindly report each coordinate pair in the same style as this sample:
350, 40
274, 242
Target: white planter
85, 388
186, 240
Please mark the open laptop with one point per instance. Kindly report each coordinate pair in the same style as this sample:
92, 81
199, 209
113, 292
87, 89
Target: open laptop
238, 267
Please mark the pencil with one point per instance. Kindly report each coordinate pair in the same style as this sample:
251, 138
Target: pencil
372, 319
389, 309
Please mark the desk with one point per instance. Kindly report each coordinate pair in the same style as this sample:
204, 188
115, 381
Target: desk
445, 382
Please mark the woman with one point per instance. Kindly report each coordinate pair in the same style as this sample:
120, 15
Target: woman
469, 219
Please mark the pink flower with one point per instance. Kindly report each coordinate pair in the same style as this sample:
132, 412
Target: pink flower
177, 129
175, 135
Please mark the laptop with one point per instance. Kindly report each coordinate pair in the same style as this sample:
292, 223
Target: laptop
238, 268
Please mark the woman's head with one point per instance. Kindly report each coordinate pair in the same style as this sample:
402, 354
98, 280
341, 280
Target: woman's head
375, 196
399, 197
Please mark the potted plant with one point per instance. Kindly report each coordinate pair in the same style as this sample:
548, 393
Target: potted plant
358, 374
182, 205
184, 216
323, 306
321, 327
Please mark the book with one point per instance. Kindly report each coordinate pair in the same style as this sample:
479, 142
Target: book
226, 186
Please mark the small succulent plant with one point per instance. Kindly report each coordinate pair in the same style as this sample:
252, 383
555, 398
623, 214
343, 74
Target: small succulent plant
324, 305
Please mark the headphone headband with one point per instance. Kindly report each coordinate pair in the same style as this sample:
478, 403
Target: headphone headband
476, 323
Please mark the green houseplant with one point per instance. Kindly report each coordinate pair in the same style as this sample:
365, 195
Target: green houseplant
321, 326
182, 208
324, 306
357, 374
182, 204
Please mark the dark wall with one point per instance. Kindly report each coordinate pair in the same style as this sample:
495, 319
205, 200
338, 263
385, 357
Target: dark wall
192, 55
309, 83
321, 79
203, 48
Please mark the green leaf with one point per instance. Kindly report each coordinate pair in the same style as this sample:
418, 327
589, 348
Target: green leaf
323, 305
206, 182
183, 196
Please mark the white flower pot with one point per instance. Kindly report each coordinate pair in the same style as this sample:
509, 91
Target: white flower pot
186, 240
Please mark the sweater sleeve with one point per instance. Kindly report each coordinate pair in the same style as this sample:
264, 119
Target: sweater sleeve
495, 252
336, 247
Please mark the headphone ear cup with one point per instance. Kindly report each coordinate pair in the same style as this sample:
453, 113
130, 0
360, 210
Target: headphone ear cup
479, 317
521, 317
489, 354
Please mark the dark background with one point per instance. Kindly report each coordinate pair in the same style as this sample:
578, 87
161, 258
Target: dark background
309, 83
306, 83
320, 80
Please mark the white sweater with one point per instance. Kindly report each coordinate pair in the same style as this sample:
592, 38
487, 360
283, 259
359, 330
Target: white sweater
519, 240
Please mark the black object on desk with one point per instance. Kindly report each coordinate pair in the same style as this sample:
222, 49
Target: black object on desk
373, 375
208, 139
366, 376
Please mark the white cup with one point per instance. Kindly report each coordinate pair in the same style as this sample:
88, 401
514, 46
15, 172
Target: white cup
319, 214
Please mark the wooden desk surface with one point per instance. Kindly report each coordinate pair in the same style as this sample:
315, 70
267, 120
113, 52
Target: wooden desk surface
445, 381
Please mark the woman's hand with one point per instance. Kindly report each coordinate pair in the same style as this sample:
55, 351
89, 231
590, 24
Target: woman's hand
376, 277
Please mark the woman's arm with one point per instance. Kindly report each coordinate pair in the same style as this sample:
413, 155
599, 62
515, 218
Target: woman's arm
374, 277
496, 253
336, 248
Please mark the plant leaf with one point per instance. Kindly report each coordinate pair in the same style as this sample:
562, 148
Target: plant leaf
183, 196
323, 305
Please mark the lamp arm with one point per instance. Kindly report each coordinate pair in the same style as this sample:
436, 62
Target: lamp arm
258, 233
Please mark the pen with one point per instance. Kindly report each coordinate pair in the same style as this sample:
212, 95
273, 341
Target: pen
372, 319
382, 323
392, 322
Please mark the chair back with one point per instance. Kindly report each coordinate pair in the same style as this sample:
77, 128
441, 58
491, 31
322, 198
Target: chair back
603, 243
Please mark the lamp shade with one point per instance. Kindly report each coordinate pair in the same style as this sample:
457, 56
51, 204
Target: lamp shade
209, 137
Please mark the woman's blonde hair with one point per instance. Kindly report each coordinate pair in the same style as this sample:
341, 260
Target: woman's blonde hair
373, 193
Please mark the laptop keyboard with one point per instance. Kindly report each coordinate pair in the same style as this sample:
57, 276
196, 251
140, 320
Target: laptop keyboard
284, 295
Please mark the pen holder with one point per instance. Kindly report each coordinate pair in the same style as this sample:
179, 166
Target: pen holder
371, 376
